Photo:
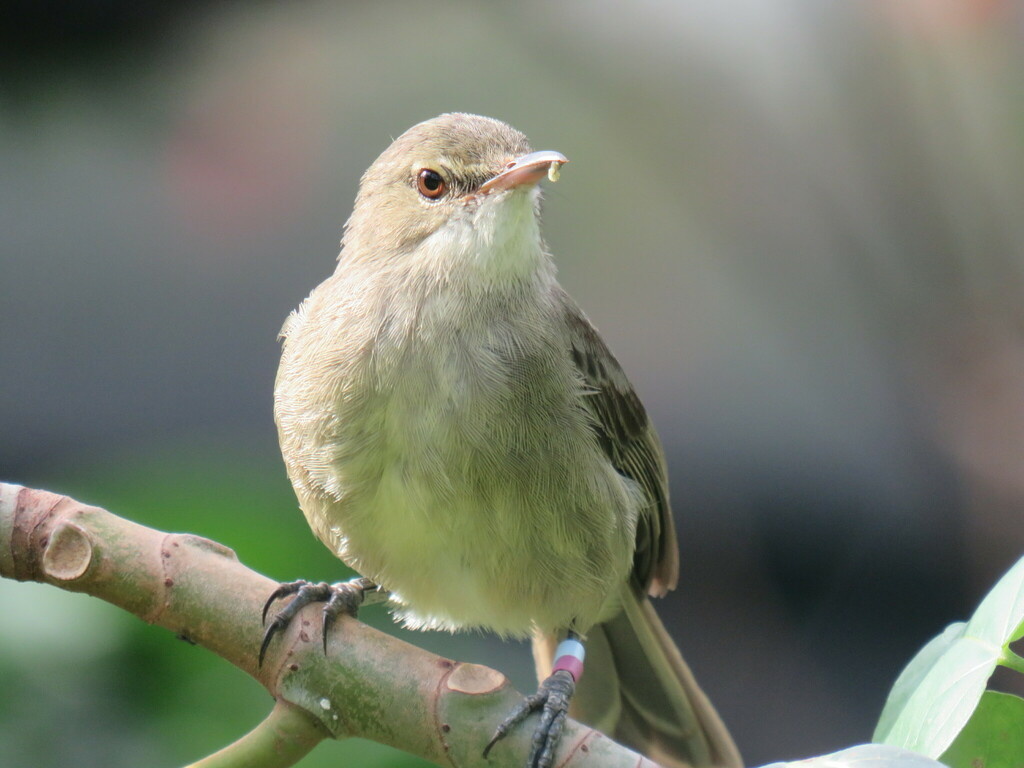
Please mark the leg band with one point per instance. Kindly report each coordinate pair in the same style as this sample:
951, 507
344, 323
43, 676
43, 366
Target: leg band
569, 656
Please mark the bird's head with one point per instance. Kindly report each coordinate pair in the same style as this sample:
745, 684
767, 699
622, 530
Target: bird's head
457, 188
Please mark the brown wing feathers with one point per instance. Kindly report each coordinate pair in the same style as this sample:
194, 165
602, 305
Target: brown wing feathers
629, 440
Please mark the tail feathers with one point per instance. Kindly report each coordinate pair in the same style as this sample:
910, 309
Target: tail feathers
638, 690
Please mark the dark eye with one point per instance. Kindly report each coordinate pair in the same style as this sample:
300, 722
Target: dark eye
431, 184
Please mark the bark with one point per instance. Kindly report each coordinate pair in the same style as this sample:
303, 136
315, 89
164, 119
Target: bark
369, 684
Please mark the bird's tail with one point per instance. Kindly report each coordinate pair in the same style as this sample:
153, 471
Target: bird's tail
638, 690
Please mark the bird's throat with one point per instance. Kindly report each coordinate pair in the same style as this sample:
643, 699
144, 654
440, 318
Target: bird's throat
494, 243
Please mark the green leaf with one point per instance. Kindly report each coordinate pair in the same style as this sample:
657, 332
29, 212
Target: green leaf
864, 756
942, 702
933, 698
994, 736
1018, 633
911, 677
1000, 616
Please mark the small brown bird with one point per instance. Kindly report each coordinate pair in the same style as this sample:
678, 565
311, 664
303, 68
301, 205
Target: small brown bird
457, 432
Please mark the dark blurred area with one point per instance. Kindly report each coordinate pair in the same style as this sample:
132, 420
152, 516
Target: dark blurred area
798, 224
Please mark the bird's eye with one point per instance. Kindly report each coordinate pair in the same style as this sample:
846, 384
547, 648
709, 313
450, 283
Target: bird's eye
431, 184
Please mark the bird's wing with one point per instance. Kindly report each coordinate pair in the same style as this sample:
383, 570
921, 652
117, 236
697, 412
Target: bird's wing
632, 445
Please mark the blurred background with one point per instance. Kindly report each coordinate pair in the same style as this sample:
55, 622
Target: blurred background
800, 226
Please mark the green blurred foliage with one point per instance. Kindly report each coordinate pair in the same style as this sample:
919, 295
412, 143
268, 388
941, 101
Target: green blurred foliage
86, 684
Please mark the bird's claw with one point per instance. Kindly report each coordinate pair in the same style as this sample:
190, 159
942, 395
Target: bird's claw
552, 699
345, 597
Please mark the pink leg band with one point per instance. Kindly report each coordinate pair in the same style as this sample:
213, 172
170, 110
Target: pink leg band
569, 656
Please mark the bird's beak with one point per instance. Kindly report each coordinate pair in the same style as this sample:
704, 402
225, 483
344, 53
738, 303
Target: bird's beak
528, 169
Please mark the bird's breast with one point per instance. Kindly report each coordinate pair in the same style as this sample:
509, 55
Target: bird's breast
454, 465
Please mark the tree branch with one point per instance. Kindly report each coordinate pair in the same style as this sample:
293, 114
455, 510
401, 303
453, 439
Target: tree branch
369, 684
284, 738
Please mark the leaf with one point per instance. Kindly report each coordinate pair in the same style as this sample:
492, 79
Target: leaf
943, 701
993, 737
911, 677
1000, 617
864, 756
933, 698
1018, 633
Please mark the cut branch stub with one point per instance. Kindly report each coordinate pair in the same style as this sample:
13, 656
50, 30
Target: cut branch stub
68, 553
368, 684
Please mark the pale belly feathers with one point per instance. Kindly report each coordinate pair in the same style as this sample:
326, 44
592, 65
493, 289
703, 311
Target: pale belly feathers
435, 463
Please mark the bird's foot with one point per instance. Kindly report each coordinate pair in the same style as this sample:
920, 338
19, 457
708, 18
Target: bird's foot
344, 597
552, 699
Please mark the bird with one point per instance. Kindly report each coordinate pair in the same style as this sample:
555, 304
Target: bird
458, 433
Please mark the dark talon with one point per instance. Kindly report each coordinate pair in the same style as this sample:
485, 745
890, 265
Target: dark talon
337, 598
345, 598
267, 636
527, 706
554, 735
283, 590
552, 698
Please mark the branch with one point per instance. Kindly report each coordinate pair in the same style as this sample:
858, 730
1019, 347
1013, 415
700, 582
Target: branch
369, 684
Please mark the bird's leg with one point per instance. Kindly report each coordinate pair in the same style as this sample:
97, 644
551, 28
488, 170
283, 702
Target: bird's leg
343, 597
552, 699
